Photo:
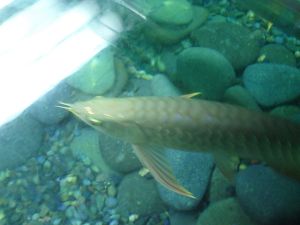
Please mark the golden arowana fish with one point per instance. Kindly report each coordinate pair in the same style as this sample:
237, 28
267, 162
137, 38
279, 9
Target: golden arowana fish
150, 123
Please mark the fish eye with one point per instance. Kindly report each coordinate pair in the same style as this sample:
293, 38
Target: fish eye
94, 121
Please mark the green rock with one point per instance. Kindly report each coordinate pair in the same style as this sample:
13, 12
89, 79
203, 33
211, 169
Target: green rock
118, 154
97, 76
220, 187
138, 195
291, 112
100, 200
239, 45
238, 95
183, 217
168, 36
227, 211
19, 140
200, 165
87, 145
272, 84
268, 197
121, 78
172, 12
162, 86
44, 210
275, 53
204, 70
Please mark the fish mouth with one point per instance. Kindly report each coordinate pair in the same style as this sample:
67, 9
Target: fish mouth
69, 107
65, 106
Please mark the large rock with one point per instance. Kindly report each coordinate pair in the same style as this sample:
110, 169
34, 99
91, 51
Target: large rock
138, 195
268, 197
239, 45
97, 76
290, 112
86, 146
220, 187
183, 164
170, 35
204, 70
138, 87
181, 218
171, 12
238, 95
275, 53
19, 139
227, 211
272, 84
118, 154
45, 110
121, 78
162, 86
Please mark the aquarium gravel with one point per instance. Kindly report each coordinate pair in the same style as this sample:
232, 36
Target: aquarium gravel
55, 187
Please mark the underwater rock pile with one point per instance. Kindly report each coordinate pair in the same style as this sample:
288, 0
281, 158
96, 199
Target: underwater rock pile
63, 186
237, 43
214, 73
272, 84
80, 177
279, 196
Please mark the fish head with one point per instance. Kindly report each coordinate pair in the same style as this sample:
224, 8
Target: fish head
107, 115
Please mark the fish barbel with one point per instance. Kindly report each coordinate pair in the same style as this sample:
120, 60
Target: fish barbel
150, 123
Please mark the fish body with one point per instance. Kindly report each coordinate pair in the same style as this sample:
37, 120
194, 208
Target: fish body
150, 123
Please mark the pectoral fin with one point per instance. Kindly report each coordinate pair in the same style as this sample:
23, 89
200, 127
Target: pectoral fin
153, 159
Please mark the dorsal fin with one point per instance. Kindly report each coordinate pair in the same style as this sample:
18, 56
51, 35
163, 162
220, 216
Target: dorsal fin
191, 95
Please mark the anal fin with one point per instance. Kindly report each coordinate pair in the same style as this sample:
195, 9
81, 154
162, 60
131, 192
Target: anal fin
153, 159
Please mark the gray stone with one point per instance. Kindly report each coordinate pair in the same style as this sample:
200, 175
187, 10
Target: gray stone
162, 86
118, 154
45, 110
204, 70
220, 187
19, 140
87, 145
98, 200
138, 87
238, 95
138, 195
121, 78
227, 211
97, 76
181, 218
169, 61
183, 165
175, 12
111, 202
268, 197
275, 53
239, 45
171, 35
272, 84
291, 112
